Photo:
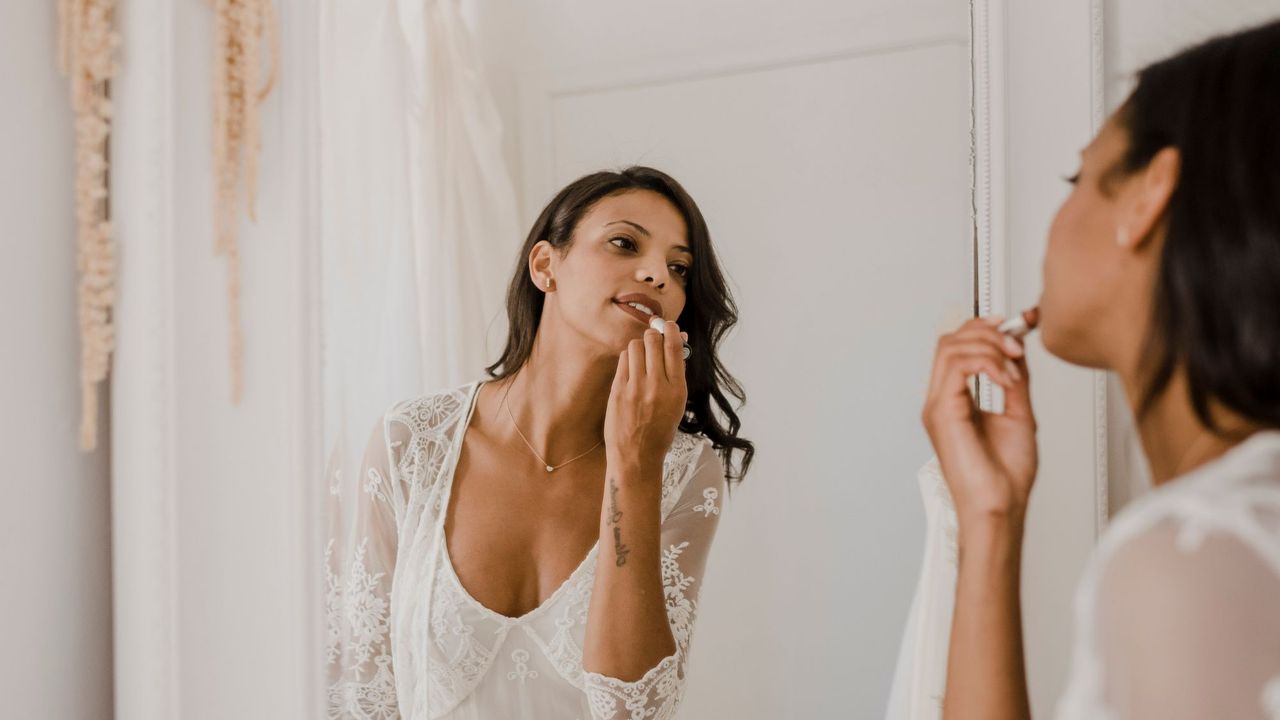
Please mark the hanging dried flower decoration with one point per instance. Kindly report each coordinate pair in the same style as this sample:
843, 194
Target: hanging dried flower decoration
242, 27
87, 43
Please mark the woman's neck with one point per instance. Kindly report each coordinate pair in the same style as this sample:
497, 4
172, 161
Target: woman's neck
1173, 437
559, 397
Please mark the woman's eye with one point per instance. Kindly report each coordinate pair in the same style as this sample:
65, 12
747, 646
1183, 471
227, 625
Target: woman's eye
1073, 179
624, 243
681, 270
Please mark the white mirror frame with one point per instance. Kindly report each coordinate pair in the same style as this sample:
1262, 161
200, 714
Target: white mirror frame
1038, 97
158, 663
993, 248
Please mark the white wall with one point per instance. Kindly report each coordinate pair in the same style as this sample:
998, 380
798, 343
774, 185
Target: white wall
54, 506
1048, 76
240, 580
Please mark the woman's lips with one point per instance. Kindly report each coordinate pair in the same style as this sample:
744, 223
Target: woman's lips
640, 316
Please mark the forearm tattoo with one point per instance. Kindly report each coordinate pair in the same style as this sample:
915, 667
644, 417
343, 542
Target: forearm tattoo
620, 550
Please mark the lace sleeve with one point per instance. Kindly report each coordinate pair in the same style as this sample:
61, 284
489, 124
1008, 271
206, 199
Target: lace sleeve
364, 514
1188, 626
686, 539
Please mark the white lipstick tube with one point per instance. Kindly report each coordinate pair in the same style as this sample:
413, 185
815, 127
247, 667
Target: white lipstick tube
1021, 324
660, 325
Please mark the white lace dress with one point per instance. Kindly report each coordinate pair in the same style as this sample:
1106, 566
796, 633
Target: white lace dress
1178, 615
392, 653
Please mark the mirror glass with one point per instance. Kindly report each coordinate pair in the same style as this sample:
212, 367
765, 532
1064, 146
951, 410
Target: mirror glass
828, 146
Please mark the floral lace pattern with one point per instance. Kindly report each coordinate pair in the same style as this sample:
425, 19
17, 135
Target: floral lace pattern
461, 656
657, 694
680, 608
358, 643
652, 696
522, 672
708, 506
447, 661
354, 606
564, 649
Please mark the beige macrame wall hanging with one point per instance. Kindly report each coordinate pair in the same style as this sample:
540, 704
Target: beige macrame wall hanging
86, 49
243, 26
86, 54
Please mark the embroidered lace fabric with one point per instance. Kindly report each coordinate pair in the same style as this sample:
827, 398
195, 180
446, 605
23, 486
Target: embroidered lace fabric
1178, 615
392, 654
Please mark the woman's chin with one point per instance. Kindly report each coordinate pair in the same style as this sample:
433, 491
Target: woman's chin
1070, 346
614, 345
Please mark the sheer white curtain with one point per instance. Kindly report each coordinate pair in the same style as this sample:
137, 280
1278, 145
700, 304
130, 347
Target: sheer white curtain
417, 229
418, 219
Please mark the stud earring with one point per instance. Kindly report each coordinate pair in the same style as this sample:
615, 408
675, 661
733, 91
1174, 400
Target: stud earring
547, 282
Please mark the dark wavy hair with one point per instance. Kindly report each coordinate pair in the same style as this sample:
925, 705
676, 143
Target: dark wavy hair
708, 315
1217, 297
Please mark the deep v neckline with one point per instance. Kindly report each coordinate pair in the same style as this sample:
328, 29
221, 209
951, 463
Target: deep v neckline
451, 473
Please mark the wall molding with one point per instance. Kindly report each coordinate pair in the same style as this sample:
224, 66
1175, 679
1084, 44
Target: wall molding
300, 101
987, 137
1098, 111
991, 245
144, 417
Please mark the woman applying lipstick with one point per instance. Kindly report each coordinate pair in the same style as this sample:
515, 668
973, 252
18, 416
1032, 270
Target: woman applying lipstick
1162, 266
536, 542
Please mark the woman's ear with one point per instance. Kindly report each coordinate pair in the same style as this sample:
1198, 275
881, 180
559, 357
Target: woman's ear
540, 265
1148, 199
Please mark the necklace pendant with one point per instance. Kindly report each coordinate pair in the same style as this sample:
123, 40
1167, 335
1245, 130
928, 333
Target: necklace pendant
550, 469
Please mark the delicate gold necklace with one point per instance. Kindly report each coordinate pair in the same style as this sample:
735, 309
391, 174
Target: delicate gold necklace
550, 468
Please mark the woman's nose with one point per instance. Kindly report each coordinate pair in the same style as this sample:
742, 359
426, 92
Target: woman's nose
650, 277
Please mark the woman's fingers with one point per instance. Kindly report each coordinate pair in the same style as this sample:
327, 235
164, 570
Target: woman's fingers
620, 374
949, 392
950, 397
985, 328
655, 365
1007, 344
673, 353
1001, 368
963, 367
635, 362
1017, 397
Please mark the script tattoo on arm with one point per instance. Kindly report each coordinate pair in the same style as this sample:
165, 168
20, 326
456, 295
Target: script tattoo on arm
620, 549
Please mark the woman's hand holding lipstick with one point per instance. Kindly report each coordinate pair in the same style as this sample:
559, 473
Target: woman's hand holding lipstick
646, 403
988, 459
647, 400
